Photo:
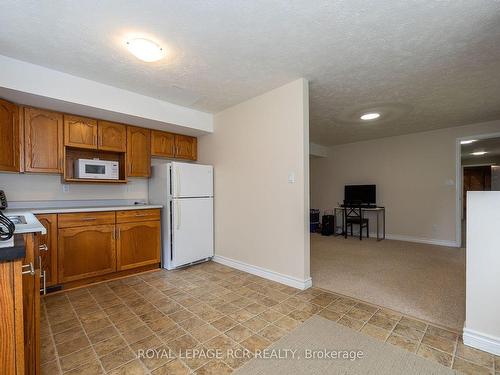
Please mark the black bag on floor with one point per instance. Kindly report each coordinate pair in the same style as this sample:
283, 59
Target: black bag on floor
327, 225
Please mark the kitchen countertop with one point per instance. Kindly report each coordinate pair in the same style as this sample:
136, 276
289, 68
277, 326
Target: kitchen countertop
32, 224
17, 251
61, 210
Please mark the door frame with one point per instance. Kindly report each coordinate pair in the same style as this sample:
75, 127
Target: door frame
459, 182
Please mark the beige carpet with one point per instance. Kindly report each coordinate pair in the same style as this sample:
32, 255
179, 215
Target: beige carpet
318, 333
424, 281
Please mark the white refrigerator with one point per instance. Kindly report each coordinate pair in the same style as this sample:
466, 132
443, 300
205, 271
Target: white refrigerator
186, 192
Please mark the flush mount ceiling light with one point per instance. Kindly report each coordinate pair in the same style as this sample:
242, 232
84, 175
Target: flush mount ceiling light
479, 153
468, 142
145, 49
370, 116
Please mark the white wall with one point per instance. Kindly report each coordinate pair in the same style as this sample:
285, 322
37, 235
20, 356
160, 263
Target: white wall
482, 320
32, 187
35, 85
415, 176
261, 219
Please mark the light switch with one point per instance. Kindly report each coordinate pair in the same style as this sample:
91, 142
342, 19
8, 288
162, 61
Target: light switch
291, 177
65, 188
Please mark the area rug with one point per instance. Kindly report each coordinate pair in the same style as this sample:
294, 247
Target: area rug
324, 338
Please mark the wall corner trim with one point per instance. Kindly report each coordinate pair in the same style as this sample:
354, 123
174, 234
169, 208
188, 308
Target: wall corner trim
481, 341
265, 273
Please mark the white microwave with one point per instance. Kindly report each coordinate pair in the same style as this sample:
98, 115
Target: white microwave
95, 168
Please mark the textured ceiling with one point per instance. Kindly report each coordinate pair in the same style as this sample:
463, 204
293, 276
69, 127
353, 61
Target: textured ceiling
425, 64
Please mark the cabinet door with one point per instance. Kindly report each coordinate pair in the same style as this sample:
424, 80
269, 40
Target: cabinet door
112, 136
43, 132
186, 147
138, 152
31, 306
48, 248
10, 158
80, 132
86, 252
138, 244
162, 144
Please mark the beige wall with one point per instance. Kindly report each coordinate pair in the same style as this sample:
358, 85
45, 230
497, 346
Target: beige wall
260, 218
415, 176
45, 187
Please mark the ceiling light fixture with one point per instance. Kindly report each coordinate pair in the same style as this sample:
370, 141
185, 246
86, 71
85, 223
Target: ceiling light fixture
145, 49
468, 142
479, 153
370, 116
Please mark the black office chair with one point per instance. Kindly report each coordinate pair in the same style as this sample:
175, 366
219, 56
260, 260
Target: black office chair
353, 215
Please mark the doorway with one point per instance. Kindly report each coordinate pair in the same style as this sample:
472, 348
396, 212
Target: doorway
480, 167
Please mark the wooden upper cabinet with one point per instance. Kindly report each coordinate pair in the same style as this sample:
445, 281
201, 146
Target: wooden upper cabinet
112, 136
43, 133
162, 144
186, 147
80, 132
10, 134
138, 152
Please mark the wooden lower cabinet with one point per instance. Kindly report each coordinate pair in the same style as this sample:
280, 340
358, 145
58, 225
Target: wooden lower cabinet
86, 252
31, 305
20, 312
48, 248
138, 244
11, 318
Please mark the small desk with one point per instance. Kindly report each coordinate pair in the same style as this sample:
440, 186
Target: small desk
380, 211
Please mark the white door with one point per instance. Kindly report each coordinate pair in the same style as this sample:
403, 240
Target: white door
192, 229
192, 180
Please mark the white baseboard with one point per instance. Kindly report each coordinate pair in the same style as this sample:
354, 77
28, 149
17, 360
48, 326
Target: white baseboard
397, 237
430, 241
482, 341
265, 273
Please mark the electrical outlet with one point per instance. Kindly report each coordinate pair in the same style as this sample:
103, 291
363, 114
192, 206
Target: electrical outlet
65, 188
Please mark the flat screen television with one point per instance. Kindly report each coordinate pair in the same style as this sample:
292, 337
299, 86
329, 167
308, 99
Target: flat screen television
364, 194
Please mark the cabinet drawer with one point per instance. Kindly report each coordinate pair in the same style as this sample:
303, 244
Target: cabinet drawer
131, 216
81, 219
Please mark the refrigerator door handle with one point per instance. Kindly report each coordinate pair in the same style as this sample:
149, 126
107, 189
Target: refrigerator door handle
178, 182
178, 209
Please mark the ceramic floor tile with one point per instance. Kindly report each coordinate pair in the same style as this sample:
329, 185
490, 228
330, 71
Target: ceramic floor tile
174, 367
439, 342
375, 332
50, 368
77, 359
109, 345
134, 367
91, 368
403, 342
434, 355
470, 368
272, 333
239, 333
71, 346
117, 358
225, 323
214, 367
148, 311
474, 355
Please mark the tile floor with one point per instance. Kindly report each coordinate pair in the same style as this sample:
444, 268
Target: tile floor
102, 329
